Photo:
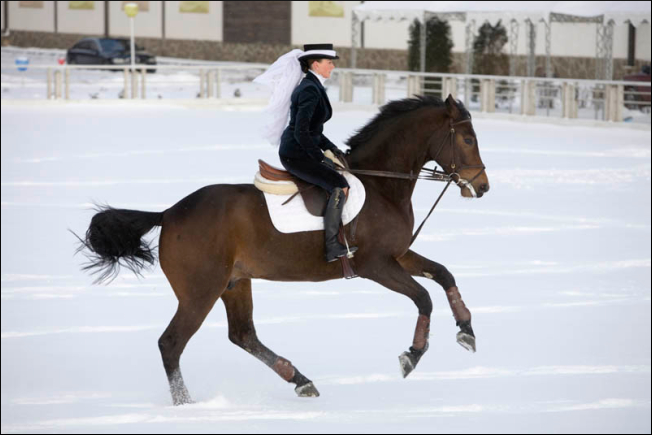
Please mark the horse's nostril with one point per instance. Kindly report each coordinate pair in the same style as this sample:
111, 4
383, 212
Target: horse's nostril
484, 188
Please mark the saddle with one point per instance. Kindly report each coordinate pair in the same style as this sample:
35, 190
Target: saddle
313, 196
284, 183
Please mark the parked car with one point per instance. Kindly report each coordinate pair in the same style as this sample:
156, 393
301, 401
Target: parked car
108, 51
643, 76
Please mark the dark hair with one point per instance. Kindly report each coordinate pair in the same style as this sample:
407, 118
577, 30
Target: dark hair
397, 108
307, 63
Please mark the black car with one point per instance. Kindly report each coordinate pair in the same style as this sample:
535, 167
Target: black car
107, 51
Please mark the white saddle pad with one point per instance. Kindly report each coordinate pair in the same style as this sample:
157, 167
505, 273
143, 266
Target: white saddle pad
294, 217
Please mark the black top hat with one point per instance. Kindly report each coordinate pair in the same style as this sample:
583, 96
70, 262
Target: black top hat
319, 51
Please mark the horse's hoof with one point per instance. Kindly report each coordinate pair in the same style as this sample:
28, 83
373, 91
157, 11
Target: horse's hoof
307, 390
182, 401
181, 397
406, 363
467, 341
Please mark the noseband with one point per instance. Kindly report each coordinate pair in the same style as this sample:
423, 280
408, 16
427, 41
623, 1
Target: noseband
443, 176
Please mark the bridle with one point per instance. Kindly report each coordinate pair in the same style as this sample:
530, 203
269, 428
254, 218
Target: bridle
432, 174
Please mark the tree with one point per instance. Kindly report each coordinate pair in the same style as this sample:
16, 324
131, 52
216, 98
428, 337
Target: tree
439, 45
489, 58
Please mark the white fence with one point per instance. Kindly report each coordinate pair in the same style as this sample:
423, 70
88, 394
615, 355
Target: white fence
565, 98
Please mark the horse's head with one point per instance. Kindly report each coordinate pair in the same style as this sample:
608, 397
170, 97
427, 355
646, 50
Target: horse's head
457, 152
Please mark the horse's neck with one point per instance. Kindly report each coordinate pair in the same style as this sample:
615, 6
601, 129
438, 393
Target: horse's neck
406, 157
397, 190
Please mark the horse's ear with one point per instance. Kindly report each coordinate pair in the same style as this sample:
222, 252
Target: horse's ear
451, 107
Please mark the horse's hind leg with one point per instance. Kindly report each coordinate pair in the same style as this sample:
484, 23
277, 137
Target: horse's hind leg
416, 265
239, 310
191, 313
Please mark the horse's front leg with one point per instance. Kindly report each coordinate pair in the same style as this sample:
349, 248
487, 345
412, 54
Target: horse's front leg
390, 274
416, 265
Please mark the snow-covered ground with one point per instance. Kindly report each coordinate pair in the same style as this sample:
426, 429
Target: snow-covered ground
554, 263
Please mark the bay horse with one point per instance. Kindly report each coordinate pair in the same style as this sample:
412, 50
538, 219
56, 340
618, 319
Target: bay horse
216, 240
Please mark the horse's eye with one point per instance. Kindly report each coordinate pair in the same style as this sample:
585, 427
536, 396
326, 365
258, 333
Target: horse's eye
468, 141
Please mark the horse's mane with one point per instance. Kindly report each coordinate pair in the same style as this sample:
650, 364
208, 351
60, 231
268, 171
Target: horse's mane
393, 109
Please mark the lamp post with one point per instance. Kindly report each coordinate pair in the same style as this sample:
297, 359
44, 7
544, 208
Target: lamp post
131, 9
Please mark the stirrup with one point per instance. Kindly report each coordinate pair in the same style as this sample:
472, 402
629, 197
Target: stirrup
347, 252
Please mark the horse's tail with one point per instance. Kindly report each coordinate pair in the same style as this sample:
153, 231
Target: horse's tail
115, 238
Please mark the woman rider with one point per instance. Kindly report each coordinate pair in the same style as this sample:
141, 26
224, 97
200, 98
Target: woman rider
302, 142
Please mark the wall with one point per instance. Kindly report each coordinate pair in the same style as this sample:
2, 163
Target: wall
256, 21
643, 42
187, 25
315, 30
201, 35
567, 40
35, 19
80, 21
148, 23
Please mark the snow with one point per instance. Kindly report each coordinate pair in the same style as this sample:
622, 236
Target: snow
553, 262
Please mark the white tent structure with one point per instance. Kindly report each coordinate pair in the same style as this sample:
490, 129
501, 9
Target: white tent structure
605, 14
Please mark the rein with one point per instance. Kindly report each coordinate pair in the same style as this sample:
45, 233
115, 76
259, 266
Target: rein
430, 174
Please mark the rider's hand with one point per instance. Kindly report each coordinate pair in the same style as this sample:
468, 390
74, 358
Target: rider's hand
328, 162
339, 154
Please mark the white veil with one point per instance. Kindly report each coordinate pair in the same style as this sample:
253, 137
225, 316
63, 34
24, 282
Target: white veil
282, 77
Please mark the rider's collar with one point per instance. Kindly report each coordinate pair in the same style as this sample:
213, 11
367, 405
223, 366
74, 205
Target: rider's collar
321, 78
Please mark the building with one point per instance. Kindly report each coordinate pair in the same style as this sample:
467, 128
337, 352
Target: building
260, 31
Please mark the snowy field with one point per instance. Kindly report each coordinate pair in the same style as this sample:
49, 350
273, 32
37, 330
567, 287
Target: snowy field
554, 264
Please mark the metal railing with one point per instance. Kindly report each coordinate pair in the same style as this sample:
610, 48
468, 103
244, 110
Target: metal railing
204, 80
565, 98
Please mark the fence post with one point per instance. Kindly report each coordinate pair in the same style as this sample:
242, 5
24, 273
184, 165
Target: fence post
614, 104
414, 86
49, 87
569, 104
492, 95
142, 83
201, 83
528, 97
218, 82
134, 84
125, 90
349, 98
488, 95
449, 87
620, 102
532, 98
379, 89
483, 95
346, 87
608, 104
209, 75
57, 84
66, 88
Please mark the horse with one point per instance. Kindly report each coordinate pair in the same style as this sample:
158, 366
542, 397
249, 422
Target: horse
213, 242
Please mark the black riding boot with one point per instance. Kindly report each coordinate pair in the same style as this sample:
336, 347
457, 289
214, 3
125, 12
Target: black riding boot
332, 219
